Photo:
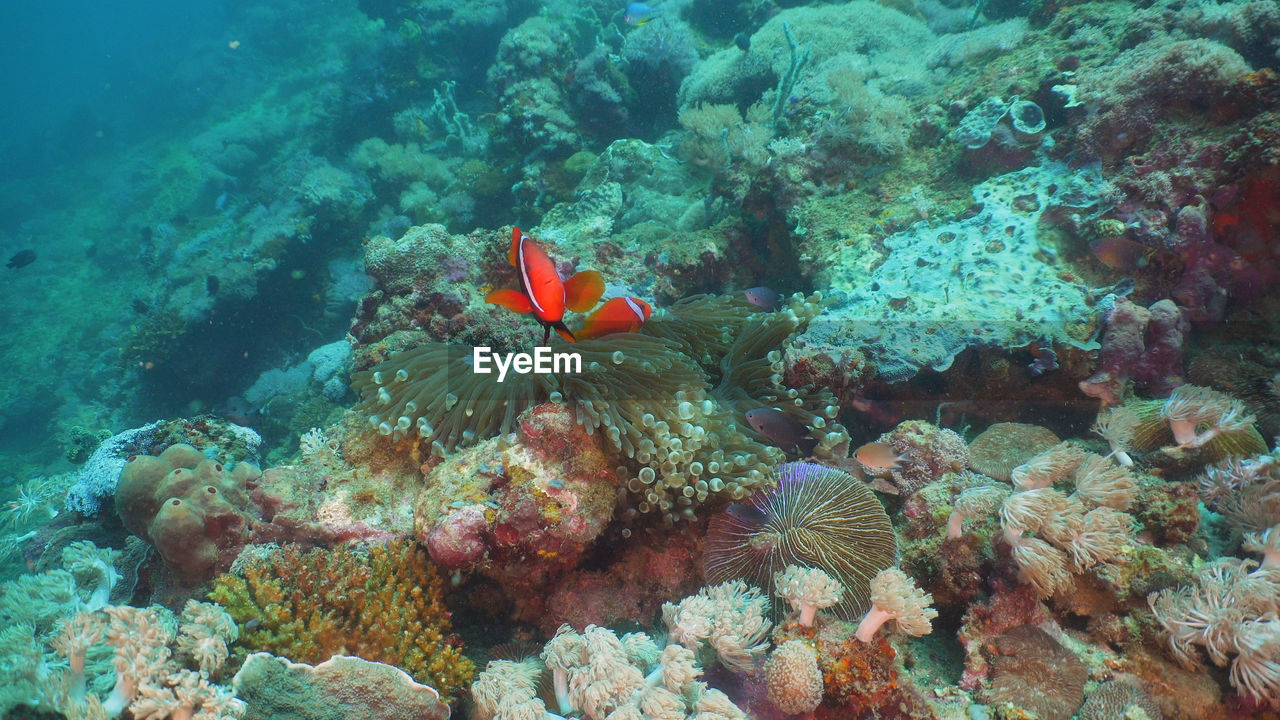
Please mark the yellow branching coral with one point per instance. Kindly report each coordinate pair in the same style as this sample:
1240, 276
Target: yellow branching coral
382, 605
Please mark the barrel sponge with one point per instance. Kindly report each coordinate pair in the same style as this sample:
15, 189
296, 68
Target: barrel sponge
193, 510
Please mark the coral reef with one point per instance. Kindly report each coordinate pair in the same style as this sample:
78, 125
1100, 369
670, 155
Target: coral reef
916, 309
680, 439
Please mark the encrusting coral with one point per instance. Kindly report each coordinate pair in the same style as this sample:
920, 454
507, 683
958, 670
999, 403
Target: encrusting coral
382, 605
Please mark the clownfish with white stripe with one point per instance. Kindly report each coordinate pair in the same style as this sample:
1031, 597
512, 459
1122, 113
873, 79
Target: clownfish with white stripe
542, 292
617, 315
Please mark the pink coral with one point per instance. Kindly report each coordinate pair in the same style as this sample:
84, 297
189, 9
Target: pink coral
1140, 346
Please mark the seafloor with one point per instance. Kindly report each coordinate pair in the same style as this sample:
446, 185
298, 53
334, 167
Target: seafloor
934, 373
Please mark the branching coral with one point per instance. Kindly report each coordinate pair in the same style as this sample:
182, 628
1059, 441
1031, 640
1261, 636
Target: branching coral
816, 517
383, 605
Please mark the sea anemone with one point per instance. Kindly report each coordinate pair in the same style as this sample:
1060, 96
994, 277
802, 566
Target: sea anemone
816, 517
894, 596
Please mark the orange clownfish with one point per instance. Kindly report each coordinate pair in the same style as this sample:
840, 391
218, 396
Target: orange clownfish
541, 290
617, 315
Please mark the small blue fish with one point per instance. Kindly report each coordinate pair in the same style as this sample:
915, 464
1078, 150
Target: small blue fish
749, 514
762, 297
782, 430
638, 13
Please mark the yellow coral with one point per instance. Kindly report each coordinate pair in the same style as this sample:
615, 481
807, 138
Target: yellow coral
382, 605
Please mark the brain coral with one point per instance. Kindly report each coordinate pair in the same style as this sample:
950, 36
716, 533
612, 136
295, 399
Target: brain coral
816, 517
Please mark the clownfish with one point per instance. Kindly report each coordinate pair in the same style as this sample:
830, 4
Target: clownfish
617, 315
542, 292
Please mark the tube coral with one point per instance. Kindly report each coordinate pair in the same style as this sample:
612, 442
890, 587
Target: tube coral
894, 596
